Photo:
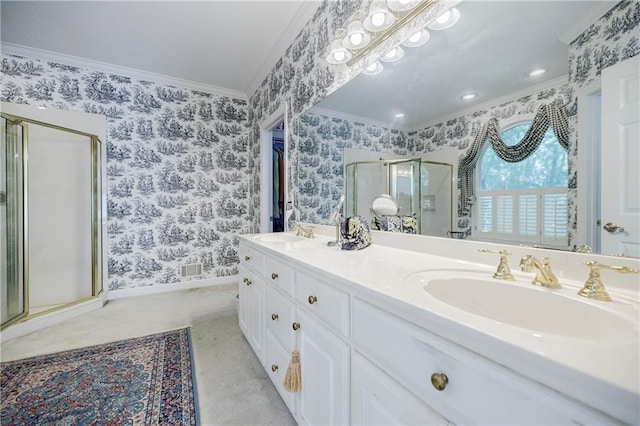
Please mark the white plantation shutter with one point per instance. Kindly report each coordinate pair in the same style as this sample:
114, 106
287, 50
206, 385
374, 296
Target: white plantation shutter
485, 214
555, 218
504, 214
528, 215
532, 216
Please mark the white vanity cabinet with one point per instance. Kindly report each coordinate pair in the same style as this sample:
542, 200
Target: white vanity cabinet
475, 390
301, 312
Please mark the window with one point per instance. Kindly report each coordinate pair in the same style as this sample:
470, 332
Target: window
523, 202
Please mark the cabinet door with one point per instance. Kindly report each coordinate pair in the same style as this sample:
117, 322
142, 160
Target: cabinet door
377, 399
324, 362
256, 326
243, 299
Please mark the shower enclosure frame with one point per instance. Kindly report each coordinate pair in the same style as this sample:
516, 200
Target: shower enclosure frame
97, 287
350, 201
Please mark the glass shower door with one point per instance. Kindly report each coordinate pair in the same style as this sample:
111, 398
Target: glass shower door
12, 297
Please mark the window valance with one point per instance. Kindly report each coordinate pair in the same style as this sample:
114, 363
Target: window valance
547, 115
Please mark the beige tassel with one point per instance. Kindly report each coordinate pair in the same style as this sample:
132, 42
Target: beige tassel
293, 378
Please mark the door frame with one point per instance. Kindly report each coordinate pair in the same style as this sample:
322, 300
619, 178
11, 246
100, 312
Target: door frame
266, 171
588, 165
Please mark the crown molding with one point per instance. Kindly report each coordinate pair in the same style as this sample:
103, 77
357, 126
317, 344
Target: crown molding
50, 56
353, 118
599, 9
306, 10
495, 101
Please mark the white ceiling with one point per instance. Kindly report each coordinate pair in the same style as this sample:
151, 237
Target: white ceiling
233, 45
226, 44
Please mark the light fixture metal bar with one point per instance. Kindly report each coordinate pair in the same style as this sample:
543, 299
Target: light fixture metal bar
389, 32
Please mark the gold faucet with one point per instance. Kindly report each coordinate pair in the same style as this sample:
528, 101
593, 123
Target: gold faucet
544, 276
503, 272
301, 231
593, 288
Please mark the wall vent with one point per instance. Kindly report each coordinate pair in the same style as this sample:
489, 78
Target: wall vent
191, 270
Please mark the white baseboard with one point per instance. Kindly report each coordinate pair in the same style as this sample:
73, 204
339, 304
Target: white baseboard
164, 288
48, 319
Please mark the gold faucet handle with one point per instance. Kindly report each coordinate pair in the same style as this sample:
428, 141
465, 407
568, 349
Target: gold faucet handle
593, 287
503, 272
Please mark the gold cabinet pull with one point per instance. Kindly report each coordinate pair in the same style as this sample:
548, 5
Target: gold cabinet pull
274, 316
274, 275
312, 300
295, 325
247, 258
439, 381
274, 368
246, 280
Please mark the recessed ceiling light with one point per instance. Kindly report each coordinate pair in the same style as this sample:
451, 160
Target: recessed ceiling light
42, 107
399, 115
538, 72
468, 96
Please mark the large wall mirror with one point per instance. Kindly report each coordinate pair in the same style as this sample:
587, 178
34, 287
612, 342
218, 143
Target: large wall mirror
415, 106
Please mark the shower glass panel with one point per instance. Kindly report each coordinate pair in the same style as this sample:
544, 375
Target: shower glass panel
12, 297
50, 217
60, 217
366, 180
437, 198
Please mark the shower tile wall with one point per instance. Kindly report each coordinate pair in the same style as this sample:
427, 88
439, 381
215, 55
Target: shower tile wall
177, 176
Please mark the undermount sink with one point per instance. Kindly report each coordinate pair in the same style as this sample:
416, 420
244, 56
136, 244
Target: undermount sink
278, 238
536, 309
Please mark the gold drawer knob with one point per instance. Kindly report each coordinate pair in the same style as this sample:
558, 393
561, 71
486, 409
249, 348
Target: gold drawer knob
247, 258
312, 300
439, 381
274, 316
274, 368
246, 280
274, 275
295, 325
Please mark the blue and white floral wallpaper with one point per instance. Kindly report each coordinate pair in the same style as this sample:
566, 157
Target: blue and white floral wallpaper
177, 177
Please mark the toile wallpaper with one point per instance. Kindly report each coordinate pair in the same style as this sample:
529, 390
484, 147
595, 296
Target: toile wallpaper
177, 177
183, 165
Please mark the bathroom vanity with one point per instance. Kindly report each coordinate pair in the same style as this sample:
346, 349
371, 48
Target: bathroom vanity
405, 332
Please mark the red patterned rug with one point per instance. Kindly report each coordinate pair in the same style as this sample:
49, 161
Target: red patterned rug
144, 381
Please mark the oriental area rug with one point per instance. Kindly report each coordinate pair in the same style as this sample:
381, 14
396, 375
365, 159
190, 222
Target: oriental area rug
143, 381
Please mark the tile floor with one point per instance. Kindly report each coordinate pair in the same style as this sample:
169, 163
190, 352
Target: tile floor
233, 388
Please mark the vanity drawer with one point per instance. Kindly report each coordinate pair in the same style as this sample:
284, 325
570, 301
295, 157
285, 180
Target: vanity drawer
484, 391
281, 314
251, 258
280, 275
276, 363
329, 304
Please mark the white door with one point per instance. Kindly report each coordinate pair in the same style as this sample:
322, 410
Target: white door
620, 159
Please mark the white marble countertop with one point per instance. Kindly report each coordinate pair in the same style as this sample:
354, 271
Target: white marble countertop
602, 372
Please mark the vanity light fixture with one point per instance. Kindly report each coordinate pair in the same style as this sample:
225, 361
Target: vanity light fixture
446, 20
468, 96
370, 29
537, 73
338, 54
418, 39
373, 69
393, 55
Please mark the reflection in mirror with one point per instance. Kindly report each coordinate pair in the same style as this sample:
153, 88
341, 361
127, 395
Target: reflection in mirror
414, 107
